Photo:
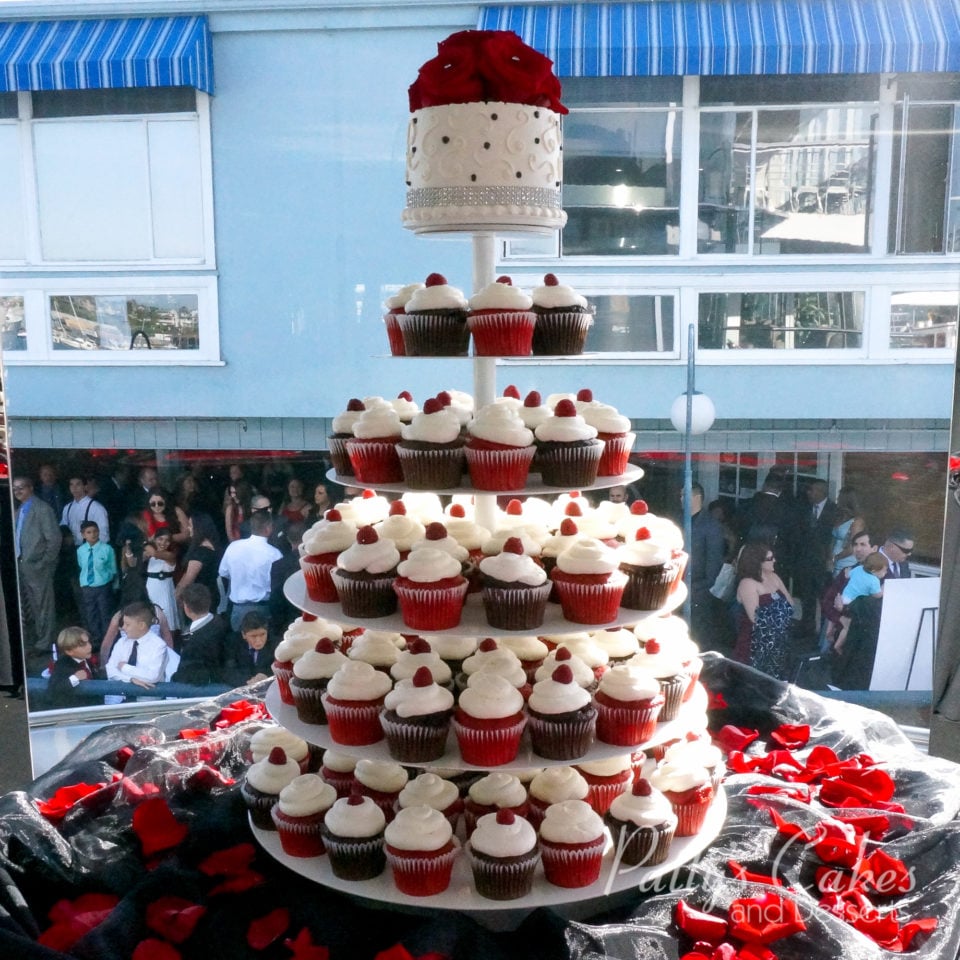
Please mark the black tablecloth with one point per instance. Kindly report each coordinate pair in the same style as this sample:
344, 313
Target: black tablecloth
94, 850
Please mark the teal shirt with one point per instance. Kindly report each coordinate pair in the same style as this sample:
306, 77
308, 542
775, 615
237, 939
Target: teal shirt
104, 564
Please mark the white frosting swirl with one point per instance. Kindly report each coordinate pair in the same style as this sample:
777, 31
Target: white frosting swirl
607, 767
418, 828
377, 557
628, 683
500, 296
428, 565
369, 508
583, 675
398, 301
605, 418
378, 648
265, 739
441, 296
451, 648
665, 629
306, 795
364, 819
422, 504
318, 666
700, 753
662, 665
343, 422
618, 643
556, 784
409, 663
468, 533
429, 790
558, 295
526, 648
588, 556
571, 821
329, 536
532, 417
485, 657
565, 429
678, 777
270, 777
406, 409
529, 542
491, 697
588, 650
302, 635
411, 701
403, 530
497, 423
448, 545
357, 680
384, 776
551, 697
514, 568
337, 762
643, 553
503, 839
555, 545
377, 421
441, 426
498, 789
650, 811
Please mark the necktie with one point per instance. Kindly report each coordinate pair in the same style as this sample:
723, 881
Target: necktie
896, 570
86, 669
90, 567
132, 662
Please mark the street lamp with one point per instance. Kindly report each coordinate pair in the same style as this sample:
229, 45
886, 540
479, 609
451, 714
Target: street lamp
692, 413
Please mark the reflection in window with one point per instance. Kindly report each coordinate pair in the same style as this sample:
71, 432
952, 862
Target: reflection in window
802, 176
12, 327
621, 185
147, 322
781, 321
631, 324
924, 319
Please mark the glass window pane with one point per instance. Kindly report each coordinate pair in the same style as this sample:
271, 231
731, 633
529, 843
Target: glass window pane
98, 103
781, 321
926, 320
12, 327
143, 322
621, 183
631, 323
791, 88
604, 91
8, 106
724, 182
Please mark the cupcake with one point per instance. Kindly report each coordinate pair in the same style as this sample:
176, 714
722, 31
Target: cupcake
419, 654
628, 702
311, 674
352, 834
588, 583
499, 449
590, 652
262, 785
302, 635
431, 790
373, 449
583, 675
514, 588
405, 406
352, 701
572, 839
496, 791
435, 321
298, 815
364, 576
501, 320
567, 535
342, 432
561, 717
503, 854
668, 671
554, 785
321, 546
465, 530
416, 718
337, 770
400, 527
266, 738
563, 319
381, 781
619, 643
488, 722
614, 430
370, 507
421, 851
530, 650
688, 789
431, 451
606, 779
491, 658
673, 635
452, 650
698, 751
422, 505
395, 307
430, 589
650, 570
642, 824
379, 648
568, 451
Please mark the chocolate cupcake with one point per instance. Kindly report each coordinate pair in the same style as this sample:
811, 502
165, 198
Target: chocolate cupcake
503, 856
561, 717
642, 824
435, 321
353, 836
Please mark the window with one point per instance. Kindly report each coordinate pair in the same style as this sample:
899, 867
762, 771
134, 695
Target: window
632, 324
780, 321
13, 332
924, 319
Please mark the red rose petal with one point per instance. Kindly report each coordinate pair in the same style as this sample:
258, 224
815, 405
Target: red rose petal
765, 918
791, 735
699, 925
230, 861
156, 827
152, 949
742, 873
173, 917
57, 807
731, 738
303, 948
263, 931
238, 883
885, 874
73, 919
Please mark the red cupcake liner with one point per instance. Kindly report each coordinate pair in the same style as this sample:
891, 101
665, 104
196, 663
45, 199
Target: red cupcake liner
394, 334
591, 602
502, 334
602, 794
316, 576
341, 782
616, 453
299, 836
500, 469
429, 608
693, 675
690, 816
375, 461
487, 746
473, 811
353, 723
628, 725
422, 873
572, 865
283, 673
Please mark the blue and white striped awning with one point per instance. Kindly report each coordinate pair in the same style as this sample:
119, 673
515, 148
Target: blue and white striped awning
730, 37
98, 54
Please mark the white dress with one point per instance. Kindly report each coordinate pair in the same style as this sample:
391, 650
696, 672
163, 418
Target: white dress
161, 589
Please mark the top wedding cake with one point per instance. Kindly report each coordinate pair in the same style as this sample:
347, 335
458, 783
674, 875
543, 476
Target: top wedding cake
483, 144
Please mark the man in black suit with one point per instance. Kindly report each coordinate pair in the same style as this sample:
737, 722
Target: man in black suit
897, 548
250, 655
202, 655
815, 537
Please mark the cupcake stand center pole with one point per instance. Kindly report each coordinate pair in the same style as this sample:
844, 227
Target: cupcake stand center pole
484, 368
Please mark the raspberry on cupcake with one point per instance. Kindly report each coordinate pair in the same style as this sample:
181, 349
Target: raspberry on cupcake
503, 856
563, 319
419, 653
561, 717
298, 815
435, 320
364, 576
421, 851
296, 748
431, 451
514, 588
499, 449
568, 451
416, 718
352, 833
642, 824
501, 320
405, 406
400, 527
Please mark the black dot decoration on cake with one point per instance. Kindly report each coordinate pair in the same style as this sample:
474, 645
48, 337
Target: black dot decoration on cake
536, 113
536, 139
445, 139
473, 176
493, 116
413, 149
519, 174
486, 146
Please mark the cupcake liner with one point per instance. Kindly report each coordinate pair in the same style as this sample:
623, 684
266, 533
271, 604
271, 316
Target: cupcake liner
428, 608
504, 878
353, 858
419, 873
339, 456
601, 795
412, 742
437, 334
648, 588
616, 454
365, 598
308, 699
353, 723
341, 782
508, 334
519, 608
568, 739
672, 689
627, 725
394, 334
690, 817
375, 461
505, 469
591, 602
283, 674
572, 865
488, 747
439, 468
316, 576
642, 846
299, 836
561, 334
571, 467
260, 807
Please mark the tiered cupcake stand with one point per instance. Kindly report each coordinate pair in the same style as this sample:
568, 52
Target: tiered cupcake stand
616, 881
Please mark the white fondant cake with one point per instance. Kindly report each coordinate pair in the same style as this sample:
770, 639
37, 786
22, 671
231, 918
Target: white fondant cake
484, 165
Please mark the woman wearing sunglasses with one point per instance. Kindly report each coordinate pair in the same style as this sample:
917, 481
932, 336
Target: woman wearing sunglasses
763, 635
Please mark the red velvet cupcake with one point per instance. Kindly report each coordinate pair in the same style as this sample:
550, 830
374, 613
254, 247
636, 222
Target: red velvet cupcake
352, 702
588, 583
489, 721
496, 791
628, 703
499, 449
606, 780
421, 851
689, 790
431, 590
373, 449
396, 308
572, 840
298, 815
501, 321
321, 546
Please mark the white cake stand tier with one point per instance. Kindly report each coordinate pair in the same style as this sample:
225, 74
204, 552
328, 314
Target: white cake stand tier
692, 716
616, 884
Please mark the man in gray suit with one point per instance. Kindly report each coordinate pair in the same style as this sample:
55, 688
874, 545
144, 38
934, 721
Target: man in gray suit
37, 541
